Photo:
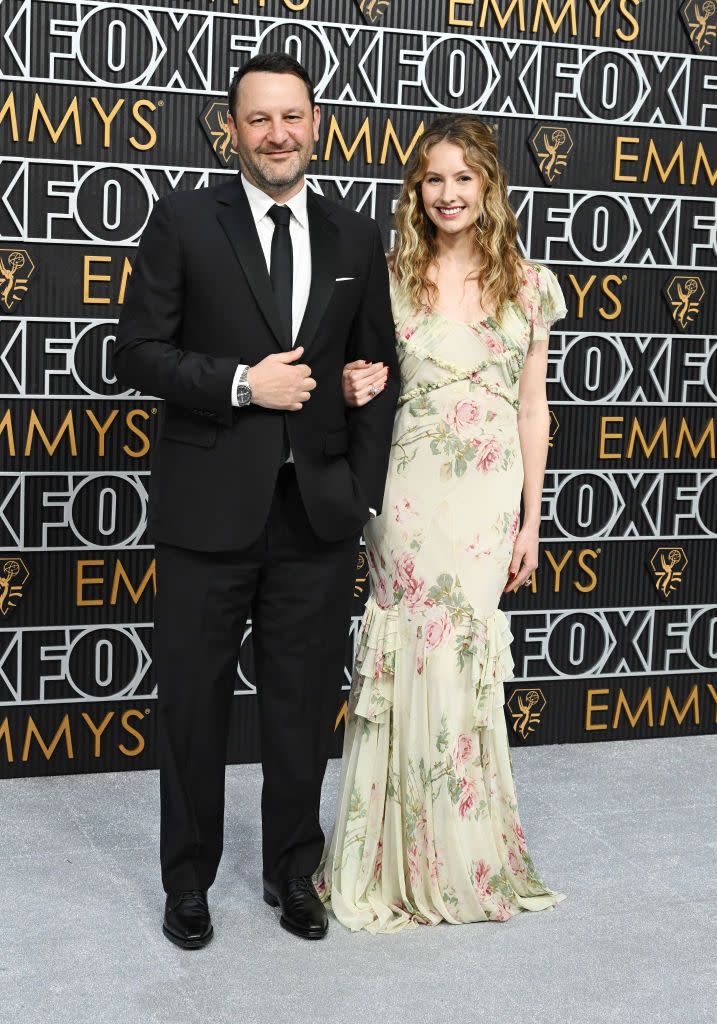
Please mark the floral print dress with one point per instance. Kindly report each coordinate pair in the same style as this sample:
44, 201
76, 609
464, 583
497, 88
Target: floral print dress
427, 825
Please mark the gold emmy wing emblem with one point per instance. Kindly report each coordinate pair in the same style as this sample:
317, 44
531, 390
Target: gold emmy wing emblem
361, 574
684, 295
551, 146
16, 269
700, 18
13, 577
213, 120
554, 428
668, 565
373, 9
526, 707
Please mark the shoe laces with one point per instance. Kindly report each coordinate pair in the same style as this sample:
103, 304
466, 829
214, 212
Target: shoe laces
304, 883
193, 896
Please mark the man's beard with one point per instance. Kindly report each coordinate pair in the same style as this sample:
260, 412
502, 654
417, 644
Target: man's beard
272, 178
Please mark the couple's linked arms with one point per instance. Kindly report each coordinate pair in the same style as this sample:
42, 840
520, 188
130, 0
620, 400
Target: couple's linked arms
146, 355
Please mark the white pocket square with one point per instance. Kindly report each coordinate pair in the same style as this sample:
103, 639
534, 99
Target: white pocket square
345, 279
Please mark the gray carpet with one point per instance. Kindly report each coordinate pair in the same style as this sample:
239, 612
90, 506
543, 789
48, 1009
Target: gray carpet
627, 830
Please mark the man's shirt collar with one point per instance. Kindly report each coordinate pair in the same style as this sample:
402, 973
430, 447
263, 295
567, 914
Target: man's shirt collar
260, 203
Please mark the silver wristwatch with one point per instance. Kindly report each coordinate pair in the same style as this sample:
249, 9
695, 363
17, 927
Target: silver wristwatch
243, 389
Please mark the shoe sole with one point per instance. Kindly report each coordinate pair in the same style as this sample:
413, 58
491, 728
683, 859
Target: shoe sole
188, 943
287, 926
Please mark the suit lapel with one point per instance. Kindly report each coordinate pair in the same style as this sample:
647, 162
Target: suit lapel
323, 236
236, 219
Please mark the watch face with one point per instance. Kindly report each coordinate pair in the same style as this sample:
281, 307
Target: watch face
243, 394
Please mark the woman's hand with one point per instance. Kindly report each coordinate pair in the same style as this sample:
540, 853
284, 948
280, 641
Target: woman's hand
362, 381
524, 560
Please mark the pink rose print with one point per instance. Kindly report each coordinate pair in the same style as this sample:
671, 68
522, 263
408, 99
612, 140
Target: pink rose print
502, 911
519, 836
529, 294
378, 668
414, 866
480, 878
516, 864
465, 414
382, 593
466, 801
422, 823
463, 748
495, 346
379, 860
488, 451
409, 332
532, 274
320, 887
433, 864
402, 510
413, 594
438, 630
404, 566
476, 550
513, 528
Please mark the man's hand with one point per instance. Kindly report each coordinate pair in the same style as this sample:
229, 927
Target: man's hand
278, 382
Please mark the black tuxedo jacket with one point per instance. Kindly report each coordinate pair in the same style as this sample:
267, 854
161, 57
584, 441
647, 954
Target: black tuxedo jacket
199, 302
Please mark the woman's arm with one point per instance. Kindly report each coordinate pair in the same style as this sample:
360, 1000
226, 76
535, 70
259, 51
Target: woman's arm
534, 432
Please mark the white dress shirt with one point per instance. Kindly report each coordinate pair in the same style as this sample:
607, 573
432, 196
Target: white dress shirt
260, 204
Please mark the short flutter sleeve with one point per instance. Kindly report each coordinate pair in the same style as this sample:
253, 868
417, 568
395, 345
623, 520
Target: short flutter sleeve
544, 299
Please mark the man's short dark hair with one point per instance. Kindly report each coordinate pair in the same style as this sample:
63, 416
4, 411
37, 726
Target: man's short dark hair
276, 64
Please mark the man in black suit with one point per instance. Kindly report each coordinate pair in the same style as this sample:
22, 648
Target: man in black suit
245, 302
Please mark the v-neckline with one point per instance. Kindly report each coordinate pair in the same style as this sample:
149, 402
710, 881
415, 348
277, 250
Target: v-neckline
463, 323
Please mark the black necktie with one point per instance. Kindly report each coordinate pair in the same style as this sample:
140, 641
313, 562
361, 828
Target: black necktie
282, 268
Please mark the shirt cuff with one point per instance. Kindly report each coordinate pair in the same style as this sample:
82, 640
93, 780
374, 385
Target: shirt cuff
237, 374
373, 512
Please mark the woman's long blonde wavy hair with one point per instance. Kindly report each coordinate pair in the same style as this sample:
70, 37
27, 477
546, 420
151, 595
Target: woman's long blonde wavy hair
500, 270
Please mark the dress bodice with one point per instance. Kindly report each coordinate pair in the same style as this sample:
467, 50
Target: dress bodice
435, 351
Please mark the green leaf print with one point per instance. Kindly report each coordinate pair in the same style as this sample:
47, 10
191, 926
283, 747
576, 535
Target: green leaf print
502, 524
446, 472
453, 599
422, 406
508, 458
481, 810
499, 883
442, 738
464, 647
454, 787
450, 898
357, 805
404, 460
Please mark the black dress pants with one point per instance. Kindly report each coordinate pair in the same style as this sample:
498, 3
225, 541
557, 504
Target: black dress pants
298, 590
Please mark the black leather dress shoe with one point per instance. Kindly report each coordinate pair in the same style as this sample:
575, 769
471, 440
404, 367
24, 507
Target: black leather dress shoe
186, 919
302, 912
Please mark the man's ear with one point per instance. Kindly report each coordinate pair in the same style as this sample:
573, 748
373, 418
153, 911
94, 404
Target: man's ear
232, 127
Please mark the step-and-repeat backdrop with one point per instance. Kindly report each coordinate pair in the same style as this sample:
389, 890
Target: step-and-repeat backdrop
605, 113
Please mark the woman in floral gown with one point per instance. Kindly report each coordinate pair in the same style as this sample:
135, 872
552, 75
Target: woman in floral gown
427, 825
